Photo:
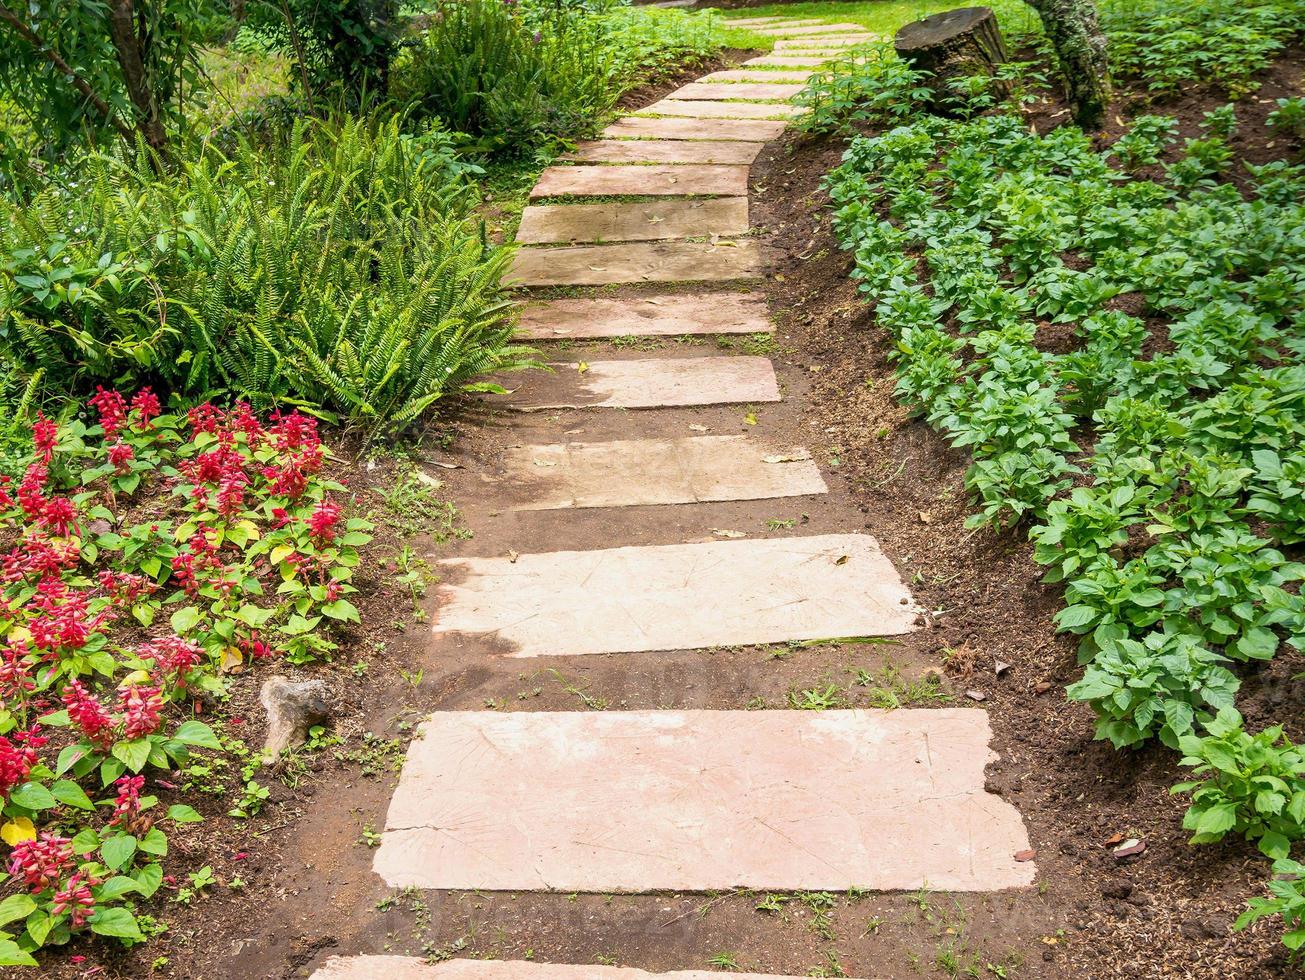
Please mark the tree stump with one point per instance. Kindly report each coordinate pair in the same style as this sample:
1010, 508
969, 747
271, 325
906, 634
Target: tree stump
955, 43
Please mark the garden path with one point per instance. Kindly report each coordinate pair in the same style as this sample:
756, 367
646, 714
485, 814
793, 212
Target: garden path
687, 800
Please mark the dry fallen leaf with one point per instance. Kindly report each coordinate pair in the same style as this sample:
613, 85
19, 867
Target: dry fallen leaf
750, 418
544, 462
792, 458
699, 428
513, 556
582, 367
722, 533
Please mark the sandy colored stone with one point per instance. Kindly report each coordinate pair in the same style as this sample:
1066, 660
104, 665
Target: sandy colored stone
782, 61
822, 43
803, 30
600, 265
638, 801
582, 180
645, 316
744, 75
648, 382
635, 472
750, 22
666, 151
760, 92
721, 110
414, 968
749, 130
687, 596
644, 221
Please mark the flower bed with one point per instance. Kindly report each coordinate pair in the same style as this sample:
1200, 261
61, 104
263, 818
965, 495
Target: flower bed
141, 559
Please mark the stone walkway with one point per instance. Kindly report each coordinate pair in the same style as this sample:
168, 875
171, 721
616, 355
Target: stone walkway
637, 801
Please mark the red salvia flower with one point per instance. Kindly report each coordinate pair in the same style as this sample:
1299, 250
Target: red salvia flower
140, 711
112, 408
90, 717
146, 406
45, 435
41, 862
76, 899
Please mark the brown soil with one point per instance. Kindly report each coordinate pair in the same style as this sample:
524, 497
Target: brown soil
309, 891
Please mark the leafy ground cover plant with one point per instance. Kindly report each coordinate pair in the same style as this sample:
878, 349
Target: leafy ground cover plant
142, 558
969, 237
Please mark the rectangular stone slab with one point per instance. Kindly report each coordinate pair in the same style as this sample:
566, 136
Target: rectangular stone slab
743, 75
414, 968
645, 316
750, 22
639, 472
582, 180
822, 43
761, 92
800, 30
665, 151
780, 60
648, 382
748, 130
639, 801
676, 597
645, 221
600, 265
720, 110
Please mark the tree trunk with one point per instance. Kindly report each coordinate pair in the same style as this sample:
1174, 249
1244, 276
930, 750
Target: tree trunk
1081, 50
952, 44
127, 44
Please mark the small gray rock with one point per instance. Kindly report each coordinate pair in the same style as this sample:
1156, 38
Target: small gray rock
292, 707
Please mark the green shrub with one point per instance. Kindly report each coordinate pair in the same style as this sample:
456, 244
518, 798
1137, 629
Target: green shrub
1288, 901
345, 272
1252, 785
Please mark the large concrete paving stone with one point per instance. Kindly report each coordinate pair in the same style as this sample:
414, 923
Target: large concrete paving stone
414, 968
600, 265
640, 801
648, 382
782, 61
802, 30
750, 22
822, 43
759, 91
645, 221
745, 75
747, 130
721, 110
666, 151
675, 597
586, 181
639, 472
645, 316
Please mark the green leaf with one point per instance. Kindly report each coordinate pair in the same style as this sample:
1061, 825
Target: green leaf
154, 843
1072, 617
115, 887
182, 813
341, 609
1217, 819
116, 922
33, 796
12, 955
66, 791
86, 841
16, 907
38, 926
117, 851
1274, 845
185, 619
148, 879
198, 734
133, 754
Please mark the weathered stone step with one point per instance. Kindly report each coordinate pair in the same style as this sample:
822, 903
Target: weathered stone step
665, 151
633, 222
750, 22
647, 382
645, 316
641, 472
639, 801
414, 968
760, 92
587, 181
744, 75
749, 130
676, 597
796, 62
822, 43
601, 265
720, 110
801, 30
